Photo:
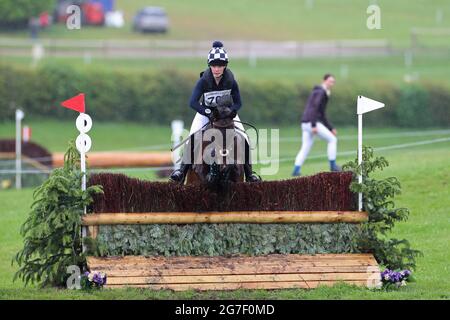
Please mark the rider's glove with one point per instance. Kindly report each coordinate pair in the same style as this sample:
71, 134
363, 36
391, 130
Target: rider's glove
209, 113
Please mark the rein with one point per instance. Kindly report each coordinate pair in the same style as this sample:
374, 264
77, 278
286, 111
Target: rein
243, 131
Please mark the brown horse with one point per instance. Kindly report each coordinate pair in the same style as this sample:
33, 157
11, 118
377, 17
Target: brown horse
223, 152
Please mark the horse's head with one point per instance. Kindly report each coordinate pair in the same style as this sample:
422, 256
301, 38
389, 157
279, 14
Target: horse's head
227, 169
223, 114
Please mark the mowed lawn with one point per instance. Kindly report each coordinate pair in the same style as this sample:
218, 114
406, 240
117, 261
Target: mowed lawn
420, 159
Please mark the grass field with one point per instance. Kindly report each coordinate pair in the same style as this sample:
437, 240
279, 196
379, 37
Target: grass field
273, 20
423, 170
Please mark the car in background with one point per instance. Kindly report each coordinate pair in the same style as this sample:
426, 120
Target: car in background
151, 19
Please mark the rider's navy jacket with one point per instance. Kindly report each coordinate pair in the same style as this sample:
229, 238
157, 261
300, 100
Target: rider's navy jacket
315, 108
206, 90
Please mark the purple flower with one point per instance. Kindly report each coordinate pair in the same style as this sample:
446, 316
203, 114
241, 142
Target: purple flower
97, 279
398, 278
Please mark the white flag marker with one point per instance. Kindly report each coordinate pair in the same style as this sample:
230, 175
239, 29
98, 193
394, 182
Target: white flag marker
364, 105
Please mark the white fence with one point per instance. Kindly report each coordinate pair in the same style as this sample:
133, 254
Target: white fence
133, 49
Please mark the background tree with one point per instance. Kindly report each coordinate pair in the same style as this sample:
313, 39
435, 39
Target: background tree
15, 13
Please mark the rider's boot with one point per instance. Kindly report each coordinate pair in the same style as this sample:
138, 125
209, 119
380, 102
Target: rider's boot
180, 174
334, 167
250, 175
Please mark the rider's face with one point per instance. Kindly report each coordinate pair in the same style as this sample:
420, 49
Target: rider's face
329, 83
217, 71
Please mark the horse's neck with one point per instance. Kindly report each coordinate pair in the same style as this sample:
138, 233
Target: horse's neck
223, 124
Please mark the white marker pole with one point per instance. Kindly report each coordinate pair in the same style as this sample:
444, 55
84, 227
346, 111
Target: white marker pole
19, 116
177, 131
83, 143
364, 105
360, 119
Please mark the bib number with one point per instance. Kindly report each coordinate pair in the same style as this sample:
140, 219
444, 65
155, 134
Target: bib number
210, 98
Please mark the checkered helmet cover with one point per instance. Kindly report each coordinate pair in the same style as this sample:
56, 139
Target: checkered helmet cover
217, 53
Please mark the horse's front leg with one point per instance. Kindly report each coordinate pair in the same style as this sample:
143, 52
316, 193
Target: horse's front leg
213, 175
231, 174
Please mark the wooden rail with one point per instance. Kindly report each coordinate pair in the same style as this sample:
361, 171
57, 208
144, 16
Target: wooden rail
120, 159
226, 217
137, 49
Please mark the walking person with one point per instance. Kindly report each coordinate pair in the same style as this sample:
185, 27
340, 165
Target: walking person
315, 123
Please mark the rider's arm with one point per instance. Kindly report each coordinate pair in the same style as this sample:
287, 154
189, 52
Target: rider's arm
237, 103
316, 101
195, 98
325, 121
322, 116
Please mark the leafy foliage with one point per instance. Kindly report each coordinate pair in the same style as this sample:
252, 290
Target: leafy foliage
224, 239
378, 201
52, 238
13, 11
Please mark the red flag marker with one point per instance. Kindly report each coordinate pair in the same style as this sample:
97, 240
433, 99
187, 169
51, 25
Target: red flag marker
75, 103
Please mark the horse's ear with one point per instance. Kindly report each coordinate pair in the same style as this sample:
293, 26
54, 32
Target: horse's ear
225, 101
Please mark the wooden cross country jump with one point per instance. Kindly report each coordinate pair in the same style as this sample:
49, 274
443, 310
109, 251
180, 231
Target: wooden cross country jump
274, 271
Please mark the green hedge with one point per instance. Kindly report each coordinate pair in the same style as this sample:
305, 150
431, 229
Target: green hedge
15, 13
225, 239
159, 97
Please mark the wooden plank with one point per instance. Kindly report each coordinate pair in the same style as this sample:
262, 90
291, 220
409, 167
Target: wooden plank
243, 267
248, 265
239, 272
226, 217
188, 261
273, 256
244, 285
205, 264
270, 269
241, 278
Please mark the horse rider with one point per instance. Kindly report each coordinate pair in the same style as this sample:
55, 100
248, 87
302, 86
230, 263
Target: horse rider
215, 82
